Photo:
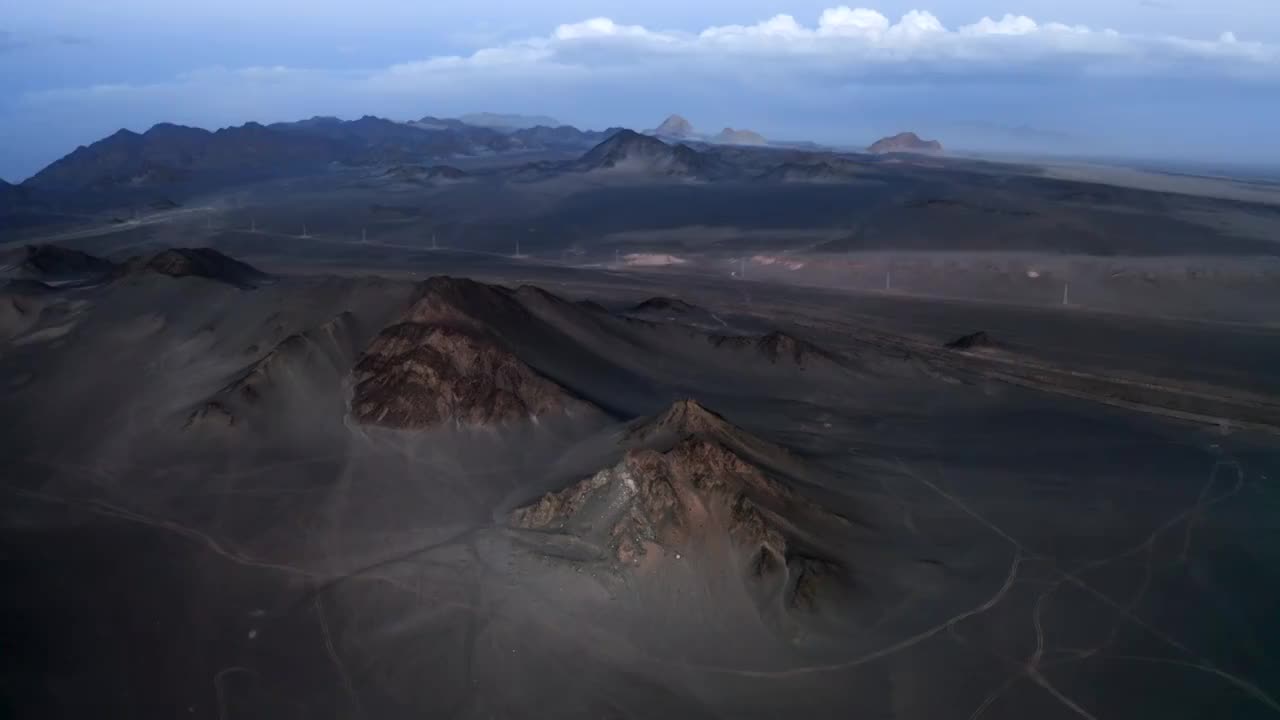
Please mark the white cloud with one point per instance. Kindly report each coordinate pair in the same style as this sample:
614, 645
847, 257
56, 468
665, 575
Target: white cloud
1008, 25
862, 41
599, 27
776, 27
859, 22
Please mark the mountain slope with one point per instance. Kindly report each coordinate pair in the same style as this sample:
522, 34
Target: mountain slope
692, 484
628, 151
449, 360
48, 263
561, 137
12, 196
203, 263
296, 367
168, 154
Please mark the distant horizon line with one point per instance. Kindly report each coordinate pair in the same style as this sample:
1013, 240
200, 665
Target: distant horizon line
1270, 169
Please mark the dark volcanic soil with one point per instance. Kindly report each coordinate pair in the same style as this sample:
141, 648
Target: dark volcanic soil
449, 498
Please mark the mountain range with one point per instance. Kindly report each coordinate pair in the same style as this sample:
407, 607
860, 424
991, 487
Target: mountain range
508, 121
168, 155
168, 163
677, 128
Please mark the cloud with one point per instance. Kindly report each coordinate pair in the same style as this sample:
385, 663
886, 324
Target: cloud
862, 38
1008, 25
848, 45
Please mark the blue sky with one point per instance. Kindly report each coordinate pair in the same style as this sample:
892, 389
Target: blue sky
1178, 79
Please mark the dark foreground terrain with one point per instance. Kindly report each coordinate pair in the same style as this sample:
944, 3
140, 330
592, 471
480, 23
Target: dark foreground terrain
576, 492
593, 425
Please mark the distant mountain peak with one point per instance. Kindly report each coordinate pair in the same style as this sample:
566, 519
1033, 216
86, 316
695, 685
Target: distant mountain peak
729, 136
628, 150
905, 142
675, 126
508, 121
173, 131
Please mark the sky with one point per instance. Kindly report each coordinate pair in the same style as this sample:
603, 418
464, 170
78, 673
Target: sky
1191, 80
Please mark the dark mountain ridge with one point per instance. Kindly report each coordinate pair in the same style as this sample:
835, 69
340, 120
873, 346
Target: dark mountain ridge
178, 158
562, 136
629, 151
54, 263
173, 154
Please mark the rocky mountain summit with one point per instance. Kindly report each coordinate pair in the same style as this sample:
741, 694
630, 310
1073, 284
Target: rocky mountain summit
446, 362
905, 142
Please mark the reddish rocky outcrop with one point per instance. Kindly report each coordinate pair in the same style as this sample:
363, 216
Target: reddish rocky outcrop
417, 375
654, 502
691, 483
684, 418
446, 361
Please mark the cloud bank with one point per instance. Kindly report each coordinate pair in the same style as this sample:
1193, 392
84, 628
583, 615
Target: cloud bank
780, 74
863, 41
